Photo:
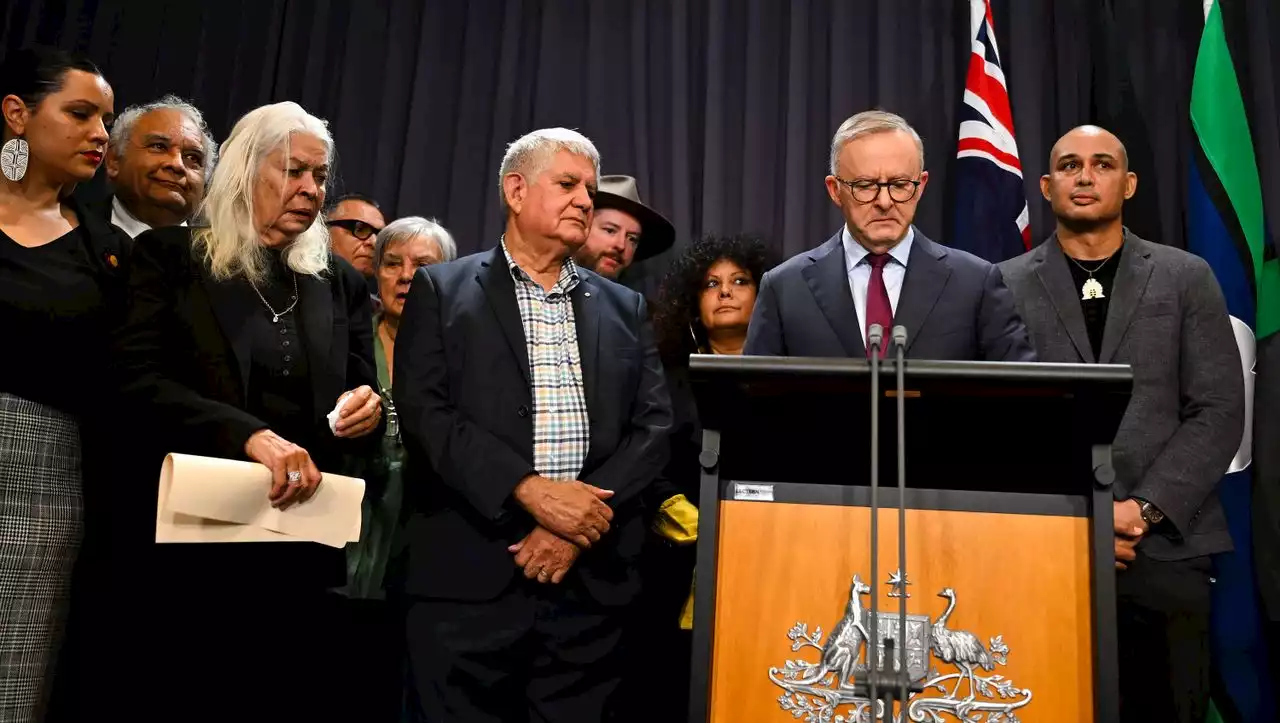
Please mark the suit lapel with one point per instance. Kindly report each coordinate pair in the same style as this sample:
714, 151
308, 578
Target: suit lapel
1051, 268
495, 278
926, 276
1131, 283
828, 280
586, 317
315, 318
232, 309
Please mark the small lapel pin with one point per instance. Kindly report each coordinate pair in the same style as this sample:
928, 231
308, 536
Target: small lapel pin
111, 259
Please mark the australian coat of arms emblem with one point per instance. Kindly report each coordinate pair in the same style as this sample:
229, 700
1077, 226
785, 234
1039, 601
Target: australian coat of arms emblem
833, 688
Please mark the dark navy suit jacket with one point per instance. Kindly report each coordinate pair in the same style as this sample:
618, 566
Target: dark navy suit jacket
462, 391
953, 304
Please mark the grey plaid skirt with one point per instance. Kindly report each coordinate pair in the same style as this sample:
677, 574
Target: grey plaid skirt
40, 530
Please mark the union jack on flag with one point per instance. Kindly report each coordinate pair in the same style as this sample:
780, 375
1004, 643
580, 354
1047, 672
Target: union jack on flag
991, 218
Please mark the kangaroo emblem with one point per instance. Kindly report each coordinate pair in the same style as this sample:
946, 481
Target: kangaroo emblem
844, 646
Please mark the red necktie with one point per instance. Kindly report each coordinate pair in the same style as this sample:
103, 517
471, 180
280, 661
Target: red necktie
879, 311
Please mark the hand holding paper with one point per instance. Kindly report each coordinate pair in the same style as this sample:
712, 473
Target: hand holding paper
203, 499
294, 477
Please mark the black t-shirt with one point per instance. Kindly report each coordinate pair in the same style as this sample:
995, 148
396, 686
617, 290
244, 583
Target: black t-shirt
1095, 309
54, 316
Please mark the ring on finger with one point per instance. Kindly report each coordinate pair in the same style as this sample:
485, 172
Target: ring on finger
294, 477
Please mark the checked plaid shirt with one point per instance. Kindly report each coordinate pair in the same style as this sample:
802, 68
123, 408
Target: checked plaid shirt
561, 428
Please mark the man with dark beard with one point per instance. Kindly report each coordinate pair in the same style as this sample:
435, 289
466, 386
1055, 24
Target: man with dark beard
623, 230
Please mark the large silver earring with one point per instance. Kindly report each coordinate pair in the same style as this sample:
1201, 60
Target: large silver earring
13, 159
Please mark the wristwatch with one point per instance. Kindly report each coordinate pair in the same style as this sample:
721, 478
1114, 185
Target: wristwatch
1150, 513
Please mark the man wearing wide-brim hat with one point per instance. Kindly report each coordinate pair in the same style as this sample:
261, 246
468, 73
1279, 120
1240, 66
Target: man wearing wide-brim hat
623, 230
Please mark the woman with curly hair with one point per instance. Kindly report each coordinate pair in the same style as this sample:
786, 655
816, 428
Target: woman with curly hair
704, 306
706, 298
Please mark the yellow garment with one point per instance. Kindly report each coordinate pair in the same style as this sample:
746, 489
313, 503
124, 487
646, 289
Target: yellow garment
677, 520
686, 615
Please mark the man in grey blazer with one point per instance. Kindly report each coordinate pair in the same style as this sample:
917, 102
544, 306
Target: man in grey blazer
879, 269
1094, 292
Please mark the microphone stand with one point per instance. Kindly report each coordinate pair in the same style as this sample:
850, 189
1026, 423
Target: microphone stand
875, 341
904, 677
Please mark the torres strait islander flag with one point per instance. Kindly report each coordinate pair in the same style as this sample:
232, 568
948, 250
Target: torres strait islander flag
1226, 226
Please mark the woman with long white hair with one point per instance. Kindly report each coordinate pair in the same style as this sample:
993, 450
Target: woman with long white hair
240, 338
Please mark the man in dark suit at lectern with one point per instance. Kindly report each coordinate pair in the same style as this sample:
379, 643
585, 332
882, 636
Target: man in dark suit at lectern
1095, 293
533, 407
879, 269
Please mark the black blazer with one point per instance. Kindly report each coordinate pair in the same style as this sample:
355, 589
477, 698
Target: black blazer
953, 304
462, 390
183, 362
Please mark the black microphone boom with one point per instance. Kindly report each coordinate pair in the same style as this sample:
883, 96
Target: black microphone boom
900, 346
875, 342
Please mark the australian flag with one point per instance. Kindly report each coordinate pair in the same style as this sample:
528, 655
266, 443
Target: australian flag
991, 218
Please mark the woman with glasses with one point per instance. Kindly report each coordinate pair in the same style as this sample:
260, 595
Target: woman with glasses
403, 247
374, 619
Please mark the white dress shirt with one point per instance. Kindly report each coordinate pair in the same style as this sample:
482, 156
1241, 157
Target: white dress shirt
127, 222
860, 273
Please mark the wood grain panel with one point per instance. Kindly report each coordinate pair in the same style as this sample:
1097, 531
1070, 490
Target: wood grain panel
1025, 577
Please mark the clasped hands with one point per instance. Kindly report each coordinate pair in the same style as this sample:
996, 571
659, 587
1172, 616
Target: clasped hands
1129, 530
571, 516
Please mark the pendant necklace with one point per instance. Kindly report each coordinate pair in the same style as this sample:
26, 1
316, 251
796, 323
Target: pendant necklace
275, 315
1092, 288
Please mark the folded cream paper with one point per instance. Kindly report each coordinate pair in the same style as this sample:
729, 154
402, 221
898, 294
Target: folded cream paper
204, 499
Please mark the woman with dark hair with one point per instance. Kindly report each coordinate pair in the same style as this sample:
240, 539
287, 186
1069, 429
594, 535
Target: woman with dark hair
61, 287
706, 298
704, 306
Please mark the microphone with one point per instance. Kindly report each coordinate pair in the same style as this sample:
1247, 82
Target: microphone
875, 341
900, 345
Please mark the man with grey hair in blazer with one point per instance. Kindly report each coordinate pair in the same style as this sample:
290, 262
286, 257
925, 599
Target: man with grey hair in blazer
1096, 293
880, 269
534, 413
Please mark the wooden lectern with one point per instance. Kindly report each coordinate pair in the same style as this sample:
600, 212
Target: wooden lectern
1010, 557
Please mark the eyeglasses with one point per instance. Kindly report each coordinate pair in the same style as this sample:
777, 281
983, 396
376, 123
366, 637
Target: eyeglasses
359, 229
901, 190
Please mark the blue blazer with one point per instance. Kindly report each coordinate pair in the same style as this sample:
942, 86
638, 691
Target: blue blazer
953, 304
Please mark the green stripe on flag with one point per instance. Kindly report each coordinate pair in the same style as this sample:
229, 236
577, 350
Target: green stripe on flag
1269, 299
1218, 116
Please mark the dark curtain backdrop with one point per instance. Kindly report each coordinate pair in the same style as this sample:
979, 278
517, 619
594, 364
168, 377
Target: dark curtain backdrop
723, 109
